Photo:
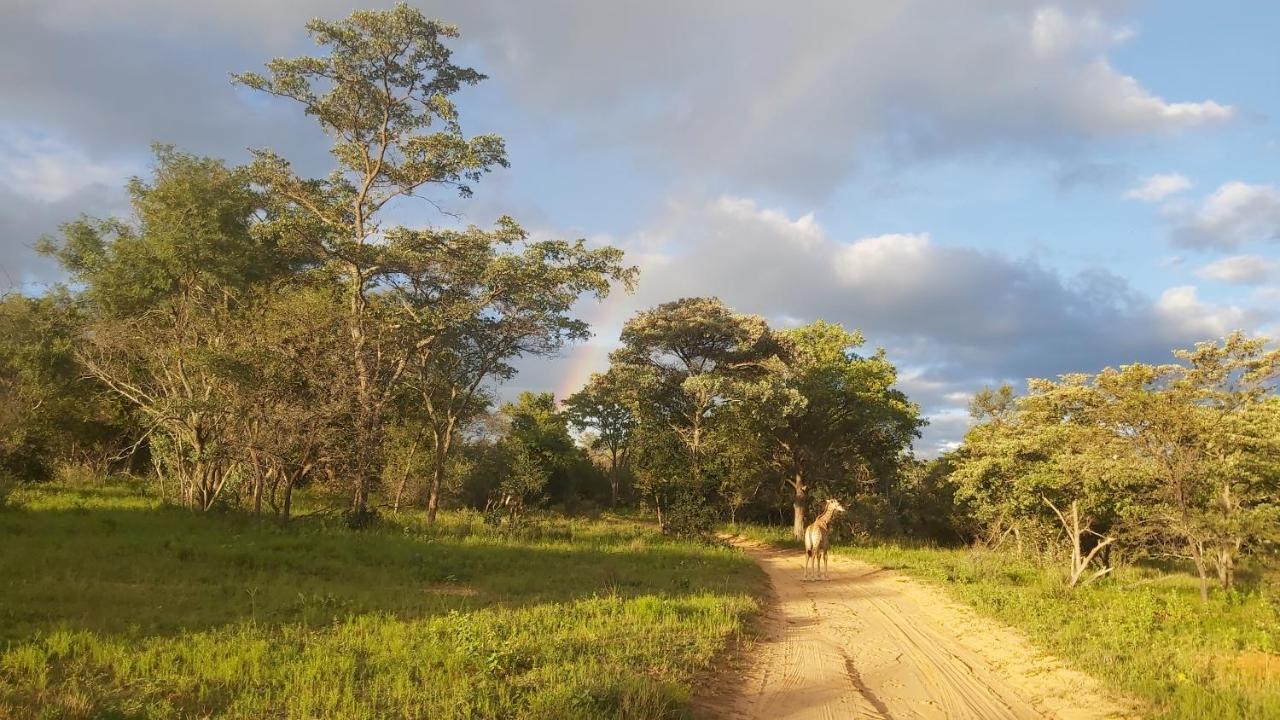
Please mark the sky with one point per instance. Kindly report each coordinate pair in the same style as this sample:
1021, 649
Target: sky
989, 190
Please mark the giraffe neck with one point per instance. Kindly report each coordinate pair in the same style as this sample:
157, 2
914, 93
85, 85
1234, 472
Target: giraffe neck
825, 518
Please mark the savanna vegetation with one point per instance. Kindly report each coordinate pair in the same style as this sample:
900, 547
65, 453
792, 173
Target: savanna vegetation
116, 604
1126, 520
256, 459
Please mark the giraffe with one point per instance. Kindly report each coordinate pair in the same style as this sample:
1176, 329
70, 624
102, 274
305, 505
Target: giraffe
815, 540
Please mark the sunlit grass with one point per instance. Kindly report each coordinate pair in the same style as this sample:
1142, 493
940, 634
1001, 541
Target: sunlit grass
112, 605
1143, 632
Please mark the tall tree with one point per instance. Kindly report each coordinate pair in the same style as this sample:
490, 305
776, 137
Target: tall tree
684, 359
162, 293
828, 415
383, 93
603, 406
450, 307
472, 302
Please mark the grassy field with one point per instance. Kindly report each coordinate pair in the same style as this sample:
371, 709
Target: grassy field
1145, 632
113, 606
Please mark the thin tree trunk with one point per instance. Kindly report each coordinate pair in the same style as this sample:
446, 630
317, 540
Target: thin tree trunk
287, 504
798, 506
404, 477
441, 438
1198, 557
613, 477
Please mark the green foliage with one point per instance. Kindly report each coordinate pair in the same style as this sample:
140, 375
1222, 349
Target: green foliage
1171, 460
828, 419
603, 407
689, 515
129, 608
48, 413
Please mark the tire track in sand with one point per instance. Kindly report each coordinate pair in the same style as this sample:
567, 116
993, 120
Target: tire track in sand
871, 644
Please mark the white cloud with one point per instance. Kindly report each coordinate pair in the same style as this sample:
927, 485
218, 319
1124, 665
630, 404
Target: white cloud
1181, 309
37, 167
1155, 188
1053, 33
749, 92
954, 318
1241, 270
1235, 214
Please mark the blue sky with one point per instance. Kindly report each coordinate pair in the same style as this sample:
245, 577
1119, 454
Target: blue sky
990, 190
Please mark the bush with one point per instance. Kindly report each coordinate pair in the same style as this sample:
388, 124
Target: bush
8, 484
689, 516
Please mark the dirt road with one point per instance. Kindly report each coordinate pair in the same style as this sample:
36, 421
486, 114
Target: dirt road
871, 644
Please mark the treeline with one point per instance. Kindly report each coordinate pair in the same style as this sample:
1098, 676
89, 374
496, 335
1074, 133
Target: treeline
248, 330
1178, 461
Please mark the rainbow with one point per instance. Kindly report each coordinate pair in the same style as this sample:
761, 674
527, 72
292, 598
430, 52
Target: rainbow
592, 356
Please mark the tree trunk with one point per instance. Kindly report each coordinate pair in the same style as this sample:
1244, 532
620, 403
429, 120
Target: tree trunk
1075, 530
798, 506
366, 412
1197, 556
613, 477
441, 438
287, 504
1226, 568
404, 477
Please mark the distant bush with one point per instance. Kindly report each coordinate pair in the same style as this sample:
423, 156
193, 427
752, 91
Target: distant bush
689, 516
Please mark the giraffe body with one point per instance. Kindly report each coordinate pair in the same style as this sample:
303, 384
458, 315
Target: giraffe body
816, 541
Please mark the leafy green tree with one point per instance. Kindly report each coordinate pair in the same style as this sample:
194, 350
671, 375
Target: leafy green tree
289, 393
1203, 429
681, 361
539, 432
48, 413
383, 93
603, 407
828, 416
448, 308
162, 295
525, 481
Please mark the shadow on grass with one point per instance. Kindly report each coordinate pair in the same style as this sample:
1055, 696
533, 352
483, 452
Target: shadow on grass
141, 571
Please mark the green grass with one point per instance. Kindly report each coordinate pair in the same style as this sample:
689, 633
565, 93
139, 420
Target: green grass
1144, 632
113, 606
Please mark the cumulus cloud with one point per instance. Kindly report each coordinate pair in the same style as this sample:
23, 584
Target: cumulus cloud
760, 95
43, 169
1155, 188
1182, 312
954, 318
1241, 270
1234, 215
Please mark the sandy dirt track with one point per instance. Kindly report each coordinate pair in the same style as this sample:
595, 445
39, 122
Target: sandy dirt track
869, 643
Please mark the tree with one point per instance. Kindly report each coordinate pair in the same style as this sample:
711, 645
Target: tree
1202, 427
474, 301
1046, 463
48, 412
289, 392
451, 308
826, 415
603, 406
383, 93
682, 360
525, 481
162, 295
